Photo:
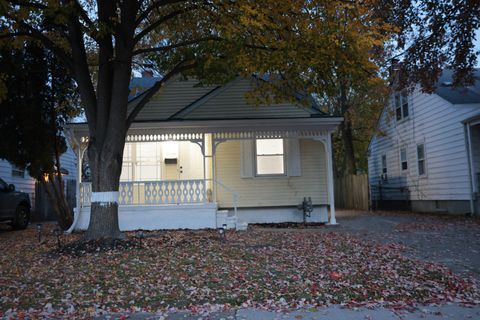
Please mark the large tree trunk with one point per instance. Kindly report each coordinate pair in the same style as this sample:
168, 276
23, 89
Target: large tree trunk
105, 167
348, 148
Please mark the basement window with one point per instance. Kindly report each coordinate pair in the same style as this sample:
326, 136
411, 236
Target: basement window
269, 154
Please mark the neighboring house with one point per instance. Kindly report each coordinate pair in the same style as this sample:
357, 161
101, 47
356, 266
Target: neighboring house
426, 156
201, 157
23, 182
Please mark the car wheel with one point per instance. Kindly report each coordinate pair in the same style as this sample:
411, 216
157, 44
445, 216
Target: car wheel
22, 216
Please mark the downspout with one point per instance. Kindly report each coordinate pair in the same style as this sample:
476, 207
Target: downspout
470, 171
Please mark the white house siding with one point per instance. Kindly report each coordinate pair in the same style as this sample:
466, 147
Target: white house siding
272, 191
436, 123
230, 103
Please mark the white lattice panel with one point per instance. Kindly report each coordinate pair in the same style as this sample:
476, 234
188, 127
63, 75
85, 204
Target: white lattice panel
154, 192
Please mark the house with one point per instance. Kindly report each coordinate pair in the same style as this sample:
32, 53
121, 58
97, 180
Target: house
23, 182
202, 157
426, 156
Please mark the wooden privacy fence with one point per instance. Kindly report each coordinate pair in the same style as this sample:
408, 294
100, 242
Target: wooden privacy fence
351, 192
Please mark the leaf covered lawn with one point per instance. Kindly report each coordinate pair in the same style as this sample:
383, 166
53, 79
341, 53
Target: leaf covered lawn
189, 270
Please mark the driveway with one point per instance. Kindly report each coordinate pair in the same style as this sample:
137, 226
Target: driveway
453, 241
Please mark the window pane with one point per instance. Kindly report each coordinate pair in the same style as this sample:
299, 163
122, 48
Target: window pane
405, 110
146, 172
420, 151
421, 167
269, 146
397, 101
384, 164
404, 165
126, 174
147, 151
270, 165
403, 154
127, 152
399, 114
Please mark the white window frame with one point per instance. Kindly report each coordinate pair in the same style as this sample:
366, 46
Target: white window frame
402, 106
406, 159
424, 159
256, 155
17, 172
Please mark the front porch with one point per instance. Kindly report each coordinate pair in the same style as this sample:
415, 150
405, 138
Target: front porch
178, 186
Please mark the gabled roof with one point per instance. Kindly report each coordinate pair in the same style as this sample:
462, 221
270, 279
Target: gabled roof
182, 99
139, 85
461, 95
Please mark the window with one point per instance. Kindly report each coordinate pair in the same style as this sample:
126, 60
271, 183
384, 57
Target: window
401, 105
141, 162
403, 159
147, 161
269, 157
421, 159
18, 172
127, 165
384, 164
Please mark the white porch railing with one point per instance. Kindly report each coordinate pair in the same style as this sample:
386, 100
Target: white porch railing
153, 192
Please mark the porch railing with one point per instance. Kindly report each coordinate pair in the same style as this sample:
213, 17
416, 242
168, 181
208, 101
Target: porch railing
153, 192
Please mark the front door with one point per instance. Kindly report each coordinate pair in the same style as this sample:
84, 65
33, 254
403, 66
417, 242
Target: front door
172, 171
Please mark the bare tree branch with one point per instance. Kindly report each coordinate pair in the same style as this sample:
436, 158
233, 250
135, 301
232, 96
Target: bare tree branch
160, 21
175, 45
154, 5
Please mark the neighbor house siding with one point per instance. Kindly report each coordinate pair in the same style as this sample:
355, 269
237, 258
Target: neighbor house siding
27, 183
437, 124
272, 191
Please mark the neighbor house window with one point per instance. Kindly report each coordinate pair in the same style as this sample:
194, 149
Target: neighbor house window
421, 159
18, 172
384, 167
403, 159
401, 105
269, 157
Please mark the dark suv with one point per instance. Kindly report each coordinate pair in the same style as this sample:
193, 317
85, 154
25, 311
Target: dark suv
14, 206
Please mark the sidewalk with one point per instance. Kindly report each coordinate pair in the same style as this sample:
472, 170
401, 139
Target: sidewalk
450, 312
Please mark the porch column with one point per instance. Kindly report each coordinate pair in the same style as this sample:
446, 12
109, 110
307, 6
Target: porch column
79, 178
331, 195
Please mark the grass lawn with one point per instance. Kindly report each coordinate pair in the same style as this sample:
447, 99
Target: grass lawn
186, 269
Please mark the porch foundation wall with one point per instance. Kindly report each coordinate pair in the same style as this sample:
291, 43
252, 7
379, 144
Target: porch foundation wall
280, 214
187, 216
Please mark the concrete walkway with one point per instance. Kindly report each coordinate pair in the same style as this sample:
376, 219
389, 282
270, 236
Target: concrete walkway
450, 312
